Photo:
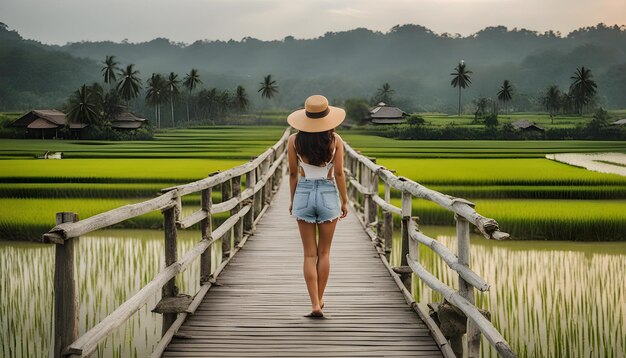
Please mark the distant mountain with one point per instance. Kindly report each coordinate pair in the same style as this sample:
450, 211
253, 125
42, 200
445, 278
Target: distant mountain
35, 75
415, 61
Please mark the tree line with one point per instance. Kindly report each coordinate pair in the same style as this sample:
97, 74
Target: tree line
92, 104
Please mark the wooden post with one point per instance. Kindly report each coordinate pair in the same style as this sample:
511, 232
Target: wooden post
238, 228
265, 168
372, 181
465, 289
66, 307
258, 197
365, 181
248, 219
226, 238
206, 226
170, 216
406, 216
388, 226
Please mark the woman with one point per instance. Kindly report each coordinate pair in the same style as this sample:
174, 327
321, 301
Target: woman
317, 150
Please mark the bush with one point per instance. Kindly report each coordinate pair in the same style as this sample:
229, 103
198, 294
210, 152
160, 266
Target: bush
415, 120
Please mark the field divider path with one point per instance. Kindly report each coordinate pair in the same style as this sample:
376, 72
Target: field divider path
257, 307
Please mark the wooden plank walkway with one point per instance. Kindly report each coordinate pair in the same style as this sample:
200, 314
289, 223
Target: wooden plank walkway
258, 310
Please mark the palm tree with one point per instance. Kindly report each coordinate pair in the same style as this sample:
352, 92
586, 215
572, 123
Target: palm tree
583, 87
129, 85
384, 93
268, 87
155, 95
191, 81
461, 79
505, 92
171, 85
552, 101
84, 106
241, 98
208, 100
109, 69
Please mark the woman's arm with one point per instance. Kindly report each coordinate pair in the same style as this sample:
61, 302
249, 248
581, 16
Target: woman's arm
293, 168
340, 176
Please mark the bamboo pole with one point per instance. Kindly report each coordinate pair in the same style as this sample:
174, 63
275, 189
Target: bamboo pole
206, 226
66, 307
169, 289
466, 290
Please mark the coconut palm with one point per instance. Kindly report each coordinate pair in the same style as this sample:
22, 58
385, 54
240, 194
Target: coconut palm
583, 87
208, 100
191, 81
268, 87
384, 93
505, 92
171, 85
461, 79
129, 84
109, 69
155, 95
241, 98
552, 101
84, 106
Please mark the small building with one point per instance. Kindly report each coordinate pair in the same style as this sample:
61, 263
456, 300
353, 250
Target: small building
42, 123
127, 120
385, 114
527, 126
619, 122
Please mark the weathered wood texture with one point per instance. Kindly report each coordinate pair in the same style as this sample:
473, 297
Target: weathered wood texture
258, 306
66, 308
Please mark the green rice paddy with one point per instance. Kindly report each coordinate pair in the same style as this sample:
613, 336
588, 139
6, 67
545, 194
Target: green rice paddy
549, 298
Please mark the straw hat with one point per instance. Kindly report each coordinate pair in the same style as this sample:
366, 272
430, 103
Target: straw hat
316, 116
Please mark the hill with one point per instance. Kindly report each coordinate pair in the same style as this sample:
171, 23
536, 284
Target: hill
414, 60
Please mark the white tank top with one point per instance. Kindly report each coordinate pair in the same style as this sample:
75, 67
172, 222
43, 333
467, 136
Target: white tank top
313, 171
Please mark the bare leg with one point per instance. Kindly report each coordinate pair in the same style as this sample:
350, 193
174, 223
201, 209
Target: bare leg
326, 233
307, 234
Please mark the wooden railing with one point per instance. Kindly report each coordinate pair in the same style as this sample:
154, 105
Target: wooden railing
362, 176
263, 175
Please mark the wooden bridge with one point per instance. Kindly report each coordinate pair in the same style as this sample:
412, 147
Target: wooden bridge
253, 303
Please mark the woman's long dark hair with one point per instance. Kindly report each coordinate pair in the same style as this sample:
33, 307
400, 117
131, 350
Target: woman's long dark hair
315, 146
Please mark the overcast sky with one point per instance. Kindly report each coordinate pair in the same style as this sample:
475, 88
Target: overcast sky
61, 21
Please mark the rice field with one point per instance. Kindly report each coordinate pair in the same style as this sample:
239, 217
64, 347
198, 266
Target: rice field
536, 287
97, 176
549, 299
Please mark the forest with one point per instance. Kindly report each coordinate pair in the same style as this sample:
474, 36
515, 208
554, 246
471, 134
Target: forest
415, 61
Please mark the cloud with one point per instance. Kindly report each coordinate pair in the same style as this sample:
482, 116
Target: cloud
349, 11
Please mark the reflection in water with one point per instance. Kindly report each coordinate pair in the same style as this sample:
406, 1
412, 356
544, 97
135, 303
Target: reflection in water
547, 298
111, 266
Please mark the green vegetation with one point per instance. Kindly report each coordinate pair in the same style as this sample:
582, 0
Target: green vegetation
111, 174
382, 147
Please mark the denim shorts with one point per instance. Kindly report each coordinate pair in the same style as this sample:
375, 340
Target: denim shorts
316, 200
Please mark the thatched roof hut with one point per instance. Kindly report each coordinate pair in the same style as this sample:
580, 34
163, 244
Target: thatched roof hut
525, 125
127, 120
45, 121
385, 114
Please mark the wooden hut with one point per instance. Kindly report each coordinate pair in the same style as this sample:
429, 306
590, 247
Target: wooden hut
127, 120
45, 123
526, 126
385, 114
